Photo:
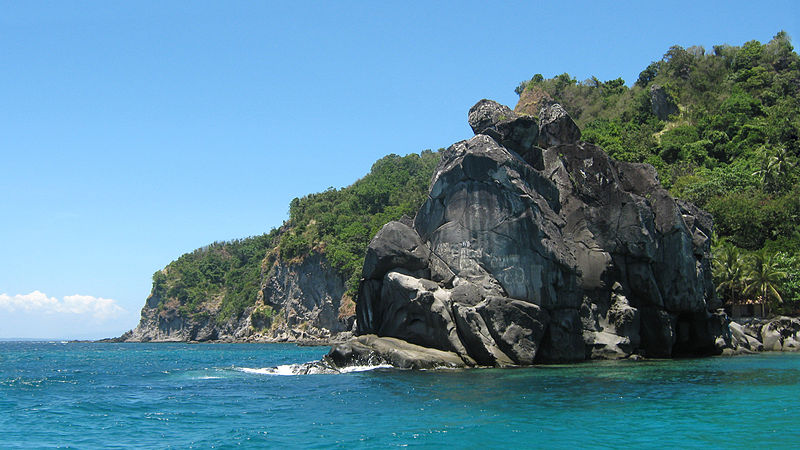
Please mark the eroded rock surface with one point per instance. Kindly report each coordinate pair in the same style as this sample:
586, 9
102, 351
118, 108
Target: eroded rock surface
776, 334
535, 247
371, 350
299, 302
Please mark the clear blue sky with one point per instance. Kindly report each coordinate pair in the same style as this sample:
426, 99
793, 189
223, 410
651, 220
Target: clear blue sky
132, 132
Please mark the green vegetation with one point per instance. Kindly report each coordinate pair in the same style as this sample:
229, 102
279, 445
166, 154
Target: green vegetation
772, 276
261, 317
731, 147
337, 222
224, 272
341, 222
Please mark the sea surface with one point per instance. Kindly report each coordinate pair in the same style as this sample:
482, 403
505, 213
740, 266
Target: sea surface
85, 395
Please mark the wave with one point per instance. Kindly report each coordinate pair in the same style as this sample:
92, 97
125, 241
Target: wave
310, 368
286, 369
365, 368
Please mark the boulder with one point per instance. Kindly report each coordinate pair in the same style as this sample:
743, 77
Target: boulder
417, 311
486, 114
500, 331
744, 341
395, 245
556, 127
371, 350
517, 327
781, 334
477, 338
513, 131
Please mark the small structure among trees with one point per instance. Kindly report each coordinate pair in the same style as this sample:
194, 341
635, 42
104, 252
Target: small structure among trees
748, 284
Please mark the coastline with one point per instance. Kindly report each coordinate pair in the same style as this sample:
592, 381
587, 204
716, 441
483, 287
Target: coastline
748, 336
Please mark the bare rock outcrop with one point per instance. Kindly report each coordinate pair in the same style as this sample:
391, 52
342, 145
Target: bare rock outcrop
535, 247
661, 103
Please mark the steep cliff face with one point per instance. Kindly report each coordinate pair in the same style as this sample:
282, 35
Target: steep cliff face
168, 324
290, 283
308, 301
535, 247
299, 301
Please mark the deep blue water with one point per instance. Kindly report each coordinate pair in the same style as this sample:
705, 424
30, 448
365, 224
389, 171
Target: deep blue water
199, 395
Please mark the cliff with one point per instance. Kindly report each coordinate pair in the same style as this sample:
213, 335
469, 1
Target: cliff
535, 247
295, 283
297, 301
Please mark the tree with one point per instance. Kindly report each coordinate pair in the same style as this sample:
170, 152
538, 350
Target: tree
729, 272
648, 74
678, 62
774, 170
764, 276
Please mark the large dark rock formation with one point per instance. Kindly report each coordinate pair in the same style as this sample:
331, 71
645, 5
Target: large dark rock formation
525, 254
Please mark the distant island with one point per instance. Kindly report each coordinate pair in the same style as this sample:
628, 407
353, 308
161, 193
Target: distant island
717, 130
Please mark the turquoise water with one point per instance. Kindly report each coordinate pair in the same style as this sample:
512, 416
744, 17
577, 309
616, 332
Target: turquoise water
205, 395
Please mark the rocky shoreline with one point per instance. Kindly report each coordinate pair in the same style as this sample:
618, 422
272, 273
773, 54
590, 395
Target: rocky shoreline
532, 247
781, 333
758, 335
751, 336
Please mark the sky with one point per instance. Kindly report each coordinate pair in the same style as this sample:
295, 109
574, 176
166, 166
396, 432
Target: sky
133, 132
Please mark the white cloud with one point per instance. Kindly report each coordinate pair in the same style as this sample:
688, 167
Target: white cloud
97, 307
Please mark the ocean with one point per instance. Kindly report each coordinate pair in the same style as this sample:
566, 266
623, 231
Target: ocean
91, 395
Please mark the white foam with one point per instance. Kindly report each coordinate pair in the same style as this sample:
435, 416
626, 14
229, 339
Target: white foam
263, 371
364, 368
286, 369
302, 369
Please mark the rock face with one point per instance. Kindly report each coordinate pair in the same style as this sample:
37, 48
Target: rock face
557, 127
525, 254
168, 325
661, 103
308, 300
305, 301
